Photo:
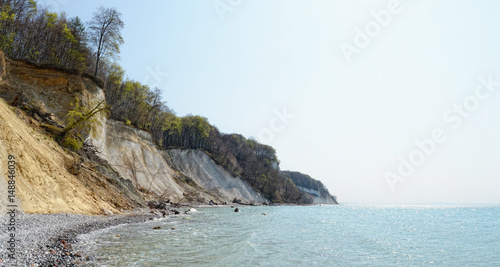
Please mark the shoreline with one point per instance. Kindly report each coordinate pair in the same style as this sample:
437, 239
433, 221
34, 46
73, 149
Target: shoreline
48, 239
53, 239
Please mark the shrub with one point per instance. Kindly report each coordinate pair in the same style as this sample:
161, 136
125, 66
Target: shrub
72, 143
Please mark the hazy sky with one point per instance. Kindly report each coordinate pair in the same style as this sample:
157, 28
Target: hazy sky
383, 101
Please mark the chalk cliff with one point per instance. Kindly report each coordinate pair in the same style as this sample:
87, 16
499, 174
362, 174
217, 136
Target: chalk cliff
179, 175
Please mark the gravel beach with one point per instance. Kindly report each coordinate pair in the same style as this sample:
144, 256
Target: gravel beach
47, 239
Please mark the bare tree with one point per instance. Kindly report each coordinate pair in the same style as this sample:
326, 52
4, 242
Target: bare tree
154, 178
131, 163
104, 33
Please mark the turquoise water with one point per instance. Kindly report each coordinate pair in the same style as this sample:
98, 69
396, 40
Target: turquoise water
346, 235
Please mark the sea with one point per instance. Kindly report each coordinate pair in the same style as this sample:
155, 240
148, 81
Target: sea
340, 235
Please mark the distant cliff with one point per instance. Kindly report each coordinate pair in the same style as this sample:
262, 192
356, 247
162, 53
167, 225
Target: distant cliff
315, 190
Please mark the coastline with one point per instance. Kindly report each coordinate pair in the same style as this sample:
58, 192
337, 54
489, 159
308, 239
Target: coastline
48, 239
53, 239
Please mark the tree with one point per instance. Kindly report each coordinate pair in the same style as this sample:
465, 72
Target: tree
77, 29
104, 33
81, 119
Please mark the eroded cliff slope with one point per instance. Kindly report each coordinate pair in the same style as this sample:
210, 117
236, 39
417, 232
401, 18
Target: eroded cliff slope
176, 175
50, 179
44, 183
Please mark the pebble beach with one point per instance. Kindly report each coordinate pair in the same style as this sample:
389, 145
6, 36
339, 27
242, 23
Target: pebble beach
48, 239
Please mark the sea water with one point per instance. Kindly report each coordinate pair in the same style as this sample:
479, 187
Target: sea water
343, 235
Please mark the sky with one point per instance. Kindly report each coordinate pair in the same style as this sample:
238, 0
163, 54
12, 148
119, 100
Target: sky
383, 101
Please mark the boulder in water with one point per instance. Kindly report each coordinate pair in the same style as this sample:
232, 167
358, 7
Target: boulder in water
236, 210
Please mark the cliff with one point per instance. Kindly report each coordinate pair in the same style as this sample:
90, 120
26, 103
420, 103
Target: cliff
51, 179
315, 191
124, 171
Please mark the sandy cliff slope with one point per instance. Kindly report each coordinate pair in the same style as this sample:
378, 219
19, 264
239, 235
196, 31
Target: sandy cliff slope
44, 184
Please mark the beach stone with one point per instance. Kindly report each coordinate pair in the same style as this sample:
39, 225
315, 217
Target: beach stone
157, 205
237, 210
90, 258
79, 254
107, 212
